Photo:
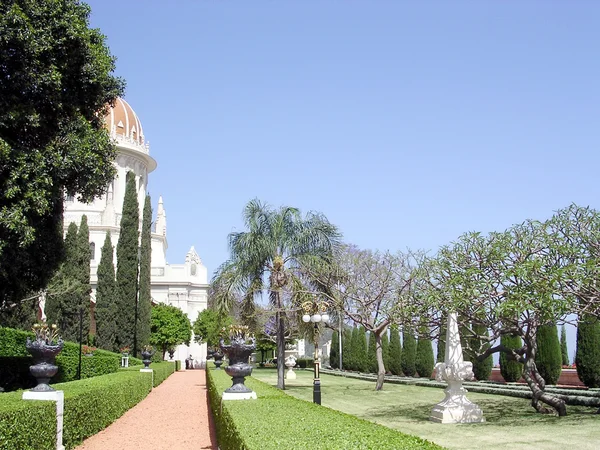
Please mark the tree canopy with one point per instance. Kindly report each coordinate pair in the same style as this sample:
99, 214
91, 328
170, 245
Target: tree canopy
169, 327
56, 80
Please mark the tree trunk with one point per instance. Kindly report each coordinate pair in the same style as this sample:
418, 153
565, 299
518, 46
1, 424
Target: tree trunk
280, 343
380, 365
537, 385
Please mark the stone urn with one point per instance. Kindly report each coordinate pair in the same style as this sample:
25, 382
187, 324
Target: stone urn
290, 362
218, 357
238, 351
146, 355
44, 349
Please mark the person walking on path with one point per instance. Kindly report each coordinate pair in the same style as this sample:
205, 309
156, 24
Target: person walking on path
175, 415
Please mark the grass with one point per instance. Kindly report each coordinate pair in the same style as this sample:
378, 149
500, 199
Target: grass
511, 423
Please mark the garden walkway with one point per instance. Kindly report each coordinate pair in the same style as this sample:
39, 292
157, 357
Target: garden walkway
175, 415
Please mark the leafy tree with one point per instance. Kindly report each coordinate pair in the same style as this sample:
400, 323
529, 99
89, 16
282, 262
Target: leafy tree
145, 298
409, 353
482, 368
208, 325
56, 79
334, 357
106, 299
127, 266
587, 356
510, 369
395, 365
170, 327
563, 346
82, 274
424, 360
276, 245
548, 358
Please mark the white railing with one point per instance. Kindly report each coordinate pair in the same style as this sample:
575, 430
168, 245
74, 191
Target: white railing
143, 147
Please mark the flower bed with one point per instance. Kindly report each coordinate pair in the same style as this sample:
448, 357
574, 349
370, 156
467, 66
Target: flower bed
294, 423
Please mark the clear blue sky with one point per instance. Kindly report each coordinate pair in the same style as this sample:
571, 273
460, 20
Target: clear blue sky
406, 124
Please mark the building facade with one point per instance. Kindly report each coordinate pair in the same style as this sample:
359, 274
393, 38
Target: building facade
183, 285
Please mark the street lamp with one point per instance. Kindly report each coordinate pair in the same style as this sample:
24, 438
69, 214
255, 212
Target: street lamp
315, 312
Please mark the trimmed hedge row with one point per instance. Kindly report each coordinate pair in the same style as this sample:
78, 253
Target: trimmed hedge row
26, 424
90, 406
294, 423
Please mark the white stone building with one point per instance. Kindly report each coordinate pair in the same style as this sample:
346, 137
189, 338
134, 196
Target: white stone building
182, 285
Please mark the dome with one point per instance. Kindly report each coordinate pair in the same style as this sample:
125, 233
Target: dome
125, 126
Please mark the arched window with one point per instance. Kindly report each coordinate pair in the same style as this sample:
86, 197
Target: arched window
92, 251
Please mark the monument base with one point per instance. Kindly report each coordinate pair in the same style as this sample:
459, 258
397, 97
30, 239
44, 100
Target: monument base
456, 408
239, 395
290, 375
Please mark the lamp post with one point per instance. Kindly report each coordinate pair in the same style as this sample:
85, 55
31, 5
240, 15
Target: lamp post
315, 312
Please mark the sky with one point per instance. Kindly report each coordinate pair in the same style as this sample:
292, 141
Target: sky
405, 123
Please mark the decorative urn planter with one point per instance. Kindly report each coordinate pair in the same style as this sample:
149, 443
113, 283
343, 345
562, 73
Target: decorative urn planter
218, 357
290, 362
146, 355
44, 349
238, 351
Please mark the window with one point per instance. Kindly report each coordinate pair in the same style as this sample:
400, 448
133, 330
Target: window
92, 251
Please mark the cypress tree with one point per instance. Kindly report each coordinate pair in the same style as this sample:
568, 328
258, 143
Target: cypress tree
409, 353
145, 298
334, 357
385, 349
82, 266
441, 344
548, 358
61, 307
563, 346
424, 360
511, 370
395, 351
372, 354
354, 356
346, 349
587, 354
106, 306
363, 359
127, 265
481, 369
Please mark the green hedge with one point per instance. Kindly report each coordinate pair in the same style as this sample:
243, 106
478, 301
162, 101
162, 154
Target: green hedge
20, 424
294, 423
162, 370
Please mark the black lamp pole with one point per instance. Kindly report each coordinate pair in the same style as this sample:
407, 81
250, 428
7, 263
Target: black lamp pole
317, 380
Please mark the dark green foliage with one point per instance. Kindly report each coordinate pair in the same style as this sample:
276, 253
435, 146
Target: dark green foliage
424, 360
564, 352
82, 278
346, 349
481, 369
372, 354
91, 366
510, 369
170, 327
304, 363
409, 353
334, 353
385, 349
26, 425
587, 356
145, 299
127, 265
55, 81
362, 356
441, 345
290, 418
106, 299
548, 358
395, 352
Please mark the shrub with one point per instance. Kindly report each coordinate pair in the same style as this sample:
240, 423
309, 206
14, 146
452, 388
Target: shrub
289, 421
26, 425
334, 357
587, 355
510, 369
372, 354
395, 352
303, 363
162, 371
409, 353
548, 358
90, 367
481, 369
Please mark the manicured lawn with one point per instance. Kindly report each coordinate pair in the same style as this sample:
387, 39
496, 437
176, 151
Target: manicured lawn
511, 423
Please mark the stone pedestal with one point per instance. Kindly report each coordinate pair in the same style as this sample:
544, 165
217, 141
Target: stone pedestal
455, 408
59, 398
290, 374
239, 395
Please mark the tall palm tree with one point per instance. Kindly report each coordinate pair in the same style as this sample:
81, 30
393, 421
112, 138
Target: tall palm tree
267, 257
